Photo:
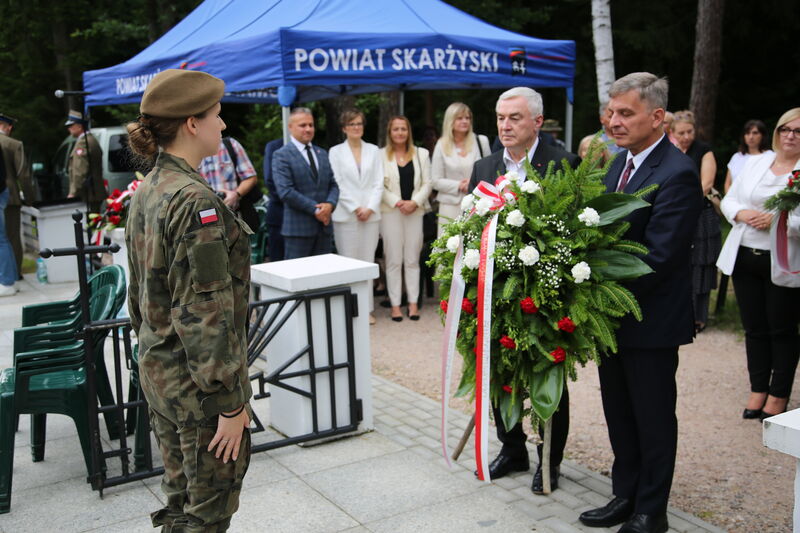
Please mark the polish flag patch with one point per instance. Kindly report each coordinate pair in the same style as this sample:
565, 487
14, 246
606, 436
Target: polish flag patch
208, 216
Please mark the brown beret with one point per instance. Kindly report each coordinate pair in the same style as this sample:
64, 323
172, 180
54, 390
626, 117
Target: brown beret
176, 93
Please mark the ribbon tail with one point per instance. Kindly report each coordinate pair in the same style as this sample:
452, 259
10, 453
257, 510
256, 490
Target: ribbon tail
483, 361
782, 243
449, 343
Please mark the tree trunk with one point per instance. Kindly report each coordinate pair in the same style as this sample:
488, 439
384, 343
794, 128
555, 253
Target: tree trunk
707, 53
61, 51
333, 108
390, 106
603, 47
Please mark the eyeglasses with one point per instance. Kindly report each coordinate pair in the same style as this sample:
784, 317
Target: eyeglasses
783, 130
355, 125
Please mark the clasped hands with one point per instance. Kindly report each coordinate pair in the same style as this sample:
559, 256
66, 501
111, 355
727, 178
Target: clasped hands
406, 206
754, 218
323, 213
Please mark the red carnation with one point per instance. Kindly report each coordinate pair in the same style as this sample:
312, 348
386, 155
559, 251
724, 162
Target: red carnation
116, 193
443, 305
508, 342
791, 181
528, 305
558, 355
566, 324
116, 205
467, 307
114, 219
508, 388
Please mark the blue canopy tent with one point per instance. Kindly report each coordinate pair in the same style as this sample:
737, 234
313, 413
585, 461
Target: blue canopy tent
288, 51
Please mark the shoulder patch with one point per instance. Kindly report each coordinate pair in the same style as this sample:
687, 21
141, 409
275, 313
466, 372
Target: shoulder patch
208, 216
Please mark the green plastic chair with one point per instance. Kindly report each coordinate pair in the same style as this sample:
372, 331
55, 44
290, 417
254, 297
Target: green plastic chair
41, 382
259, 239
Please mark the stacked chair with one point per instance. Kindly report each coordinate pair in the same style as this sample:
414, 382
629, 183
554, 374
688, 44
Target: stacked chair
49, 373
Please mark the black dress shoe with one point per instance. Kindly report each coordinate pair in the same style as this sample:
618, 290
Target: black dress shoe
505, 464
751, 413
646, 523
538, 483
614, 512
763, 414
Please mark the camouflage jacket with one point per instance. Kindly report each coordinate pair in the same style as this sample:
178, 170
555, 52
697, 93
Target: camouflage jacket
87, 154
189, 259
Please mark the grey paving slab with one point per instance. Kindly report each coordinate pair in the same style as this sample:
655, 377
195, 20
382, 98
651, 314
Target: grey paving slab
140, 523
289, 505
476, 512
387, 485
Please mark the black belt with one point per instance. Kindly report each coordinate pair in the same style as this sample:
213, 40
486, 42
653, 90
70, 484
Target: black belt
755, 251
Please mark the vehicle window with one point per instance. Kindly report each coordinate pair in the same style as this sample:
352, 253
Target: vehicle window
119, 158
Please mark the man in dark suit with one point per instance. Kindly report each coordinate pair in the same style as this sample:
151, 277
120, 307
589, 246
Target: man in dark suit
638, 383
305, 184
274, 218
519, 118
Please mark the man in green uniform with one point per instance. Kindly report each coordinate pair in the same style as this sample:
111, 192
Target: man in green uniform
189, 259
18, 181
85, 164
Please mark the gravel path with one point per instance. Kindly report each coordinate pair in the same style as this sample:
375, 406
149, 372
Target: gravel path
724, 474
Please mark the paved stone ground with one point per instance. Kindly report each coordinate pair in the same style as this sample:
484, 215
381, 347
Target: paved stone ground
389, 480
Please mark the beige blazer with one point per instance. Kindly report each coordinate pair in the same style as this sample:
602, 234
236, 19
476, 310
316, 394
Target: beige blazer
422, 182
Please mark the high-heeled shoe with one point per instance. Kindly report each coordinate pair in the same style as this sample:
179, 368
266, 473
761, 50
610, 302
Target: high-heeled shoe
751, 413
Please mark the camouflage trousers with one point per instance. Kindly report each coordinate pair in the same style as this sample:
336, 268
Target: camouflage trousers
202, 492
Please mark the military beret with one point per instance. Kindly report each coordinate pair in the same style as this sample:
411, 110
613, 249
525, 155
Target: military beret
7, 119
176, 93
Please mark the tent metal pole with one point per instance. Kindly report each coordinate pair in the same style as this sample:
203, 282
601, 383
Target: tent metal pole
285, 120
401, 102
568, 126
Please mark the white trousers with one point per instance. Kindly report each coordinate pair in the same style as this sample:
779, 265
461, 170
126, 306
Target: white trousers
447, 213
402, 244
358, 240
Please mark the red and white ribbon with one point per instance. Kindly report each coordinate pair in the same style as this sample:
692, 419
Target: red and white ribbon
449, 341
497, 194
782, 244
483, 357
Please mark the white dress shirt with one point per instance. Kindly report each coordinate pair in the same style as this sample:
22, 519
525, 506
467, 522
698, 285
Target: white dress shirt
519, 166
302, 147
638, 159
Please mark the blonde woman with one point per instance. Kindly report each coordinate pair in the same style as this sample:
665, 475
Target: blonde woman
406, 187
358, 170
453, 157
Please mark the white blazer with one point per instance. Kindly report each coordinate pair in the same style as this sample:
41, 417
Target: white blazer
422, 181
738, 198
357, 188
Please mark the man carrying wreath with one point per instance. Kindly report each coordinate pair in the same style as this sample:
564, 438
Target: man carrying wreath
638, 383
519, 119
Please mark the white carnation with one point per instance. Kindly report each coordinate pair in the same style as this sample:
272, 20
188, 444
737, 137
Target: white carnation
581, 272
515, 218
529, 255
482, 206
466, 202
472, 258
590, 217
529, 187
453, 242
512, 175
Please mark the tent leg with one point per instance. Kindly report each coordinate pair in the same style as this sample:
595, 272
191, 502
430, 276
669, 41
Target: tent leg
285, 120
568, 126
401, 102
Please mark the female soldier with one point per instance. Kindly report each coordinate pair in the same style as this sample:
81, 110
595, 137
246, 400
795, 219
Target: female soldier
189, 261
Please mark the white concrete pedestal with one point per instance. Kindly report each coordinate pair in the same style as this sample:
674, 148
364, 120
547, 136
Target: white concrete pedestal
290, 412
53, 227
782, 433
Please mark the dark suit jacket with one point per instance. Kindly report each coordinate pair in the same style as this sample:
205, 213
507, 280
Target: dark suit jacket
488, 168
275, 208
300, 192
667, 229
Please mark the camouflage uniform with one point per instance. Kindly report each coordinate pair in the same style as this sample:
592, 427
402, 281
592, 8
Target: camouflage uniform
189, 259
86, 155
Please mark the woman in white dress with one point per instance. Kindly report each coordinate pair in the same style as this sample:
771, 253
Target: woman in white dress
358, 171
753, 141
455, 153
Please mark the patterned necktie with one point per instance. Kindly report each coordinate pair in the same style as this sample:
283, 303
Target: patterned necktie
311, 162
626, 174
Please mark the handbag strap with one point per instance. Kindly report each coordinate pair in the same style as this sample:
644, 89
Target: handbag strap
232, 154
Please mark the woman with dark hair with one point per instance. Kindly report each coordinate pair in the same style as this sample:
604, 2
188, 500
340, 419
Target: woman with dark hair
753, 141
406, 187
189, 259
769, 312
708, 239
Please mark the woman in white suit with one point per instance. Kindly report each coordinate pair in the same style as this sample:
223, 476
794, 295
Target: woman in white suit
406, 187
453, 157
358, 170
769, 312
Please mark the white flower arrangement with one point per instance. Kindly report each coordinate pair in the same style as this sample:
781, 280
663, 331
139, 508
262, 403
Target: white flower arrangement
453, 242
483, 206
529, 255
529, 186
581, 272
472, 258
589, 216
515, 218
466, 202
